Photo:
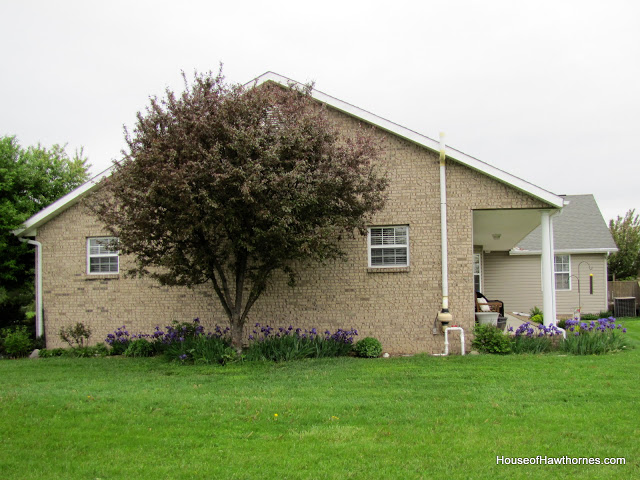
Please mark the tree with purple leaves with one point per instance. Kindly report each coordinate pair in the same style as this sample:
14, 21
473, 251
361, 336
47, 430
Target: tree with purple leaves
227, 184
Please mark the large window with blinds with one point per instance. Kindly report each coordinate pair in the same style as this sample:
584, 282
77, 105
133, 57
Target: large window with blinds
389, 246
102, 255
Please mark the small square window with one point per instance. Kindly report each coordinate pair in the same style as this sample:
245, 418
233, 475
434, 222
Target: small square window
389, 246
102, 255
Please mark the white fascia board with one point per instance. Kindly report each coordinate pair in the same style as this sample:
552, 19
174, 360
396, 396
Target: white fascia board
566, 251
30, 226
422, 140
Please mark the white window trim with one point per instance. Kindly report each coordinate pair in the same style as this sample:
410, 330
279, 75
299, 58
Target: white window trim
479, 257
555, 273
371, 247
101, 255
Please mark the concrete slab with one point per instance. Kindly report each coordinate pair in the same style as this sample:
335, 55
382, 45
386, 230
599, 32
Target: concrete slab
513, 321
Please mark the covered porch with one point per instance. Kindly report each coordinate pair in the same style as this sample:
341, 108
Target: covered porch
500, 231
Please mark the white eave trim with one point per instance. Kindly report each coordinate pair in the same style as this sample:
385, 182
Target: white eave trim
30, 226
40, 218
566, 251
419, 139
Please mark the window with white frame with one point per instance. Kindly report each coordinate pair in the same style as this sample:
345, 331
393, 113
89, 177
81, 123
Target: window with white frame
562, 271
477, 272
389, 246
102, 255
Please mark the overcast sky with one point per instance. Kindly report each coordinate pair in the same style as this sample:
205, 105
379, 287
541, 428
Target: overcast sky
547, 90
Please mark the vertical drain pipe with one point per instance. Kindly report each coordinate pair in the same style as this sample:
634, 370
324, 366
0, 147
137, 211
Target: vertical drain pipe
39, 319
444, 317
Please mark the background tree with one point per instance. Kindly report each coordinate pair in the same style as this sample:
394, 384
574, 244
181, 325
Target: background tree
625, 230
30, 179
225, 185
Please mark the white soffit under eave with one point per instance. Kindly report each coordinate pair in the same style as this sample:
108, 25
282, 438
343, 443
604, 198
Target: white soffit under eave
30, 226
419, 139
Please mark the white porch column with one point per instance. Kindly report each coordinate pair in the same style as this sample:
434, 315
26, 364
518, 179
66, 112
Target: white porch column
548, 283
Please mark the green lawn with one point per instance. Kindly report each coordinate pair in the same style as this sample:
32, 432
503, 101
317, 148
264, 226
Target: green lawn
419, 417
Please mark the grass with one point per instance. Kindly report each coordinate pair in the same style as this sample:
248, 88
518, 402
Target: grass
418, 417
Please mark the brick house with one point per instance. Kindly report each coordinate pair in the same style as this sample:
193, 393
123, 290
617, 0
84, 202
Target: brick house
392, 290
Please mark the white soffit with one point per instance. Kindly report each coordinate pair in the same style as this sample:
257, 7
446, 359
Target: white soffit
501, 230
431, 144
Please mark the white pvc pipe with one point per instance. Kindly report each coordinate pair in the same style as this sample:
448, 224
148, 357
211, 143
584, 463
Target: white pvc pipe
446, 341
39, 318
443, 226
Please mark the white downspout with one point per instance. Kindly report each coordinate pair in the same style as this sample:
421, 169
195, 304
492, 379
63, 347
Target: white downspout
39, 319
444, 316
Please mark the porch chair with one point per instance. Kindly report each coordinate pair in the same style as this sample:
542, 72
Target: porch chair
484, 305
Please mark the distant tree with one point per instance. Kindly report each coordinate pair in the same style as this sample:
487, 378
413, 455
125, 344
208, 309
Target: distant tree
625, 263
30, 179
225, 185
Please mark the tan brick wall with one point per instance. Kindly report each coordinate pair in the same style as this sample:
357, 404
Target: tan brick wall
398, 307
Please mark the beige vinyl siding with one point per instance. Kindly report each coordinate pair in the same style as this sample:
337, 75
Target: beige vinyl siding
515, 279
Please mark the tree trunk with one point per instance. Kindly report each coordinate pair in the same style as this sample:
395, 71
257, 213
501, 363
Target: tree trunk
236, 332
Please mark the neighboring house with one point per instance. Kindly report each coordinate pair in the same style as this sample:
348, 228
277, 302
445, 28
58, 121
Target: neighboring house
582, 242
389, 287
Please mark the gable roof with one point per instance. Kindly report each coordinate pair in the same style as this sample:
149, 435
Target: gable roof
422, 140
579, 228
31, 225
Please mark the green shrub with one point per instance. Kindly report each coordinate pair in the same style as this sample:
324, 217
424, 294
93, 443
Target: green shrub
490, 339
535, 311
537, 318
368, 347
605, 314
17, 342
52, 352
118, 348
140, 347
99, 350
76, 335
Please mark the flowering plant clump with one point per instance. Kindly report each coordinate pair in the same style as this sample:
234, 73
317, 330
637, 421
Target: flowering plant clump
118, 340
583, 338
594, 337
289, 343
534, 338
183, 341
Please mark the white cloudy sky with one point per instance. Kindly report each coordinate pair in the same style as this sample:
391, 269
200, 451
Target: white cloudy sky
546, 90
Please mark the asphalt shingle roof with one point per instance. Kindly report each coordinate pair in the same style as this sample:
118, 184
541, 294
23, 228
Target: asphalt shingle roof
580, 226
